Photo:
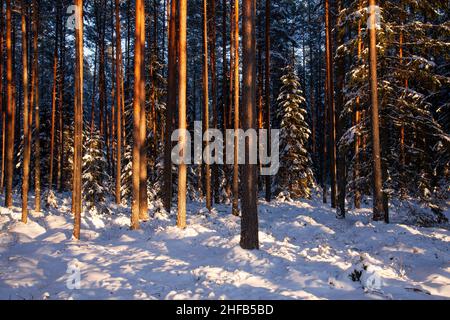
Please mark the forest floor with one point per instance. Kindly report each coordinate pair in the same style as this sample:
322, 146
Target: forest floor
306, 253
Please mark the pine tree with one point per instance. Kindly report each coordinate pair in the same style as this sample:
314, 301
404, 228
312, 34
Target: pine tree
35, 103
182, 108
127, 161
26, 119
206, 170
295, 178
78, 123
2, 99
119, 104
330, 99
139, 121
10, 110
170, 110
96, 181
236, 103
412, 80
268, 102
249, 223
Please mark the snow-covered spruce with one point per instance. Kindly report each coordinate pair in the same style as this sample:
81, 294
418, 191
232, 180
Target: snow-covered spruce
295, 178
95, 178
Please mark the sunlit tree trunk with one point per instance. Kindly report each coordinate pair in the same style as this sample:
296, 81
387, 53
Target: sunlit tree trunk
138, 104
78, 116
249, 222
378, 210
26, 118
171, 106
140, 81
2, 99
10, 110
182, 72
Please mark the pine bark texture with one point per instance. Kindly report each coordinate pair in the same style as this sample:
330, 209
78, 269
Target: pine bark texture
249, 223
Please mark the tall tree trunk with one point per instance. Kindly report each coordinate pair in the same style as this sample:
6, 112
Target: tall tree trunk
402, 126
53, 111
230, 119
249, 223
231, 88
341, 158
10, 110
325, 144
61, 107
225, 96
2, 107
170, 109
260, 83
138, 104
17, 92
311, 86
26, 118
236, 80
331, 105
182, 72
205, 114
112, 127
378, 213
212, 29
34, 102
119, 94
268, 99
78, 112
140, 81
357, 166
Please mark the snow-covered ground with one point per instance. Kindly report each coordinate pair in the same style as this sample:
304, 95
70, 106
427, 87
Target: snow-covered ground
305, 254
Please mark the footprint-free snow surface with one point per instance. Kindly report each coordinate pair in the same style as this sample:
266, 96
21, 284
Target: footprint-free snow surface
306, 253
